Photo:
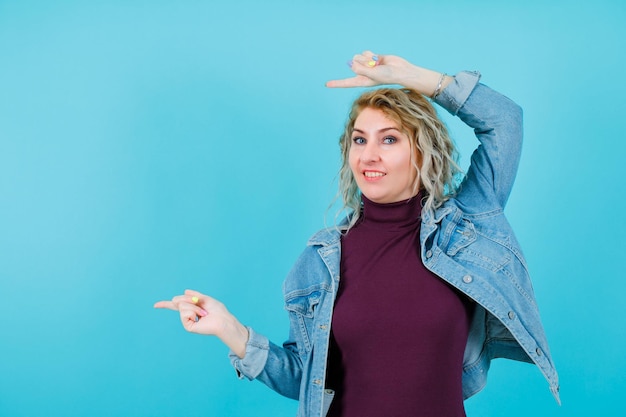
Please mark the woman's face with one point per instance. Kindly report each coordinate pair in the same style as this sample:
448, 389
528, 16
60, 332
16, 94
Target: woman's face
380, 158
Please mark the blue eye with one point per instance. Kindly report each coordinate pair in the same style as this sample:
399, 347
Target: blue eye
358, 140
388, 140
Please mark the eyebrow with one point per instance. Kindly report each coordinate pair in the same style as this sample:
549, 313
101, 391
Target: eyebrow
384, 129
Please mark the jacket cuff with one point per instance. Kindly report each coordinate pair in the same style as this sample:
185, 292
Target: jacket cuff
253, 362
457, 92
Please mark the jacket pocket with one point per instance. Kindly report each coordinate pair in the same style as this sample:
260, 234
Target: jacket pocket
301, 310
327, 400
463, 234
467, 244
304, 304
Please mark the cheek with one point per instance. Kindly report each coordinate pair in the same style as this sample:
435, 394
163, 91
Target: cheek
403, 163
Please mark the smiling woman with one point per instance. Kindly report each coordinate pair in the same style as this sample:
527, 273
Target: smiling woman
400, 310
430, 150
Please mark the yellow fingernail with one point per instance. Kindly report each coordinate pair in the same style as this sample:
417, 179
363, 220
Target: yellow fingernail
194, 299
371, 63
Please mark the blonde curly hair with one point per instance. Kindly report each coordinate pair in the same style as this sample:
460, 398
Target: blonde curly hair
433, 153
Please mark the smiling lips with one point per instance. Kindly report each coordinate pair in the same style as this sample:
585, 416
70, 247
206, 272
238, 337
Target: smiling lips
373, 175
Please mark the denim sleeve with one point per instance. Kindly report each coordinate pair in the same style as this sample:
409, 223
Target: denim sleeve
280, 368
497, 124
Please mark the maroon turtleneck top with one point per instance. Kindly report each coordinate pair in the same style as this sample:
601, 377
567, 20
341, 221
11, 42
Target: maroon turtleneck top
398, 331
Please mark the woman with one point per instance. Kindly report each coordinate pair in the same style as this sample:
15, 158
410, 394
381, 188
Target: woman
400, 309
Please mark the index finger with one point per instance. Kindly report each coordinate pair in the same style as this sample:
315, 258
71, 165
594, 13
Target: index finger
357, 81
165, 304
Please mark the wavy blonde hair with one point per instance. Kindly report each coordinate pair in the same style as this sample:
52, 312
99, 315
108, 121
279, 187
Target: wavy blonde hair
433, 153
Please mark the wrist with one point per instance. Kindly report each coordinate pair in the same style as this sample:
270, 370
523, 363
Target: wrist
444, 81
425, 81
234, 335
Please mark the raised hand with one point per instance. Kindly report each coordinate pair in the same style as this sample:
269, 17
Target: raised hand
372, 70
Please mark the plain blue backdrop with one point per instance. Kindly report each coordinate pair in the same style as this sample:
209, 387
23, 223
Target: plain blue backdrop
151, 146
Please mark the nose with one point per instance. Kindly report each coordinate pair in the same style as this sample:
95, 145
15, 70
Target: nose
370, 152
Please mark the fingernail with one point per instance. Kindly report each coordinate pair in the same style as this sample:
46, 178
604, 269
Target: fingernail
349, 63
203, 312
371, 64
194, 299
375, 58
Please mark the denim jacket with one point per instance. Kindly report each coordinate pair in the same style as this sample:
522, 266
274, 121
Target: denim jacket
467, 242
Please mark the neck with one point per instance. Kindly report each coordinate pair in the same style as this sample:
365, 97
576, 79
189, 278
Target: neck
401, 214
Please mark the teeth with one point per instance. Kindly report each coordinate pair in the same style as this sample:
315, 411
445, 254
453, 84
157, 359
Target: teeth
373, 174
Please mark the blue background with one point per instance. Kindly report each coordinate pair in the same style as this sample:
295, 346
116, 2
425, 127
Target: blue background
151, 146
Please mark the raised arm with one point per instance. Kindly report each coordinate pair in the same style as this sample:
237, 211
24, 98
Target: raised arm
497, 124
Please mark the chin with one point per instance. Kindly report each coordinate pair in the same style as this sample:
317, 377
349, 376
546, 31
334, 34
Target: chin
380, 199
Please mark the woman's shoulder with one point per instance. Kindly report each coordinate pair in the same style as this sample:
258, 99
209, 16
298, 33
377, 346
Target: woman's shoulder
316, 264
325, 237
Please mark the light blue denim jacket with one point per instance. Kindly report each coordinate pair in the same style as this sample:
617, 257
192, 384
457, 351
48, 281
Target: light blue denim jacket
468, 243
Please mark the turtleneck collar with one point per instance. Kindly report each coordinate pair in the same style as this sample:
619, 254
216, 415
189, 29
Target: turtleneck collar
392, 216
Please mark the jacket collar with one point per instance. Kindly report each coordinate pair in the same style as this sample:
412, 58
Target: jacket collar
332, 235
